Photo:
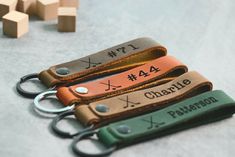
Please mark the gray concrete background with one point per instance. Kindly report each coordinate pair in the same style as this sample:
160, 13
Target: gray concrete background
200, 33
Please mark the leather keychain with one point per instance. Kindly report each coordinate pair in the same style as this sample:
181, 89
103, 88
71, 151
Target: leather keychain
144, 76
102, 112
116, 59
202, 109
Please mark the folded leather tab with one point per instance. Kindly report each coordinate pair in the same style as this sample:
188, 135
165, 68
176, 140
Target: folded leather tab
139, 102
204, 108
118, 58
136, 78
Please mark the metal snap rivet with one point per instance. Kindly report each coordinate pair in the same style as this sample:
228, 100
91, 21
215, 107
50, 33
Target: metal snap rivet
81, 90
123, 129
62, 71
102, 108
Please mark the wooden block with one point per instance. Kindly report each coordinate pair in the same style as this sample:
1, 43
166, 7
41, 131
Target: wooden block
69, 3
47, 9
15, 24
67, 19
6, 6
27, 6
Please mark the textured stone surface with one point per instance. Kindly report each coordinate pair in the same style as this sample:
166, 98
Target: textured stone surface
200, 33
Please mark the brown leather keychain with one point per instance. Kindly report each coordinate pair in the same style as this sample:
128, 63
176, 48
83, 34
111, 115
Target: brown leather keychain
153, 73
116, 59
102, 112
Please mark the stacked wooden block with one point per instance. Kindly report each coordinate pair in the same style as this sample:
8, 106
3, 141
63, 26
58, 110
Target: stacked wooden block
6, 6
15, 14
27, 6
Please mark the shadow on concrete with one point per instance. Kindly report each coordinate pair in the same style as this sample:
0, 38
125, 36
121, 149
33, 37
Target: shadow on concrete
50, 27
2, 35
34, 18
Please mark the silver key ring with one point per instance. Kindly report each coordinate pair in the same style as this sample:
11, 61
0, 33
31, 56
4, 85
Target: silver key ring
44, 95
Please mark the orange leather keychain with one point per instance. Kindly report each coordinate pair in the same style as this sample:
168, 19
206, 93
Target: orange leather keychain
102, 112
153, 73
116, 59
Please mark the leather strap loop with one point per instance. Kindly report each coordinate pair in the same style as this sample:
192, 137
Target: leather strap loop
138, 102
137, 78
118, 58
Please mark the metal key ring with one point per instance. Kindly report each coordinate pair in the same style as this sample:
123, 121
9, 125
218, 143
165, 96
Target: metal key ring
61, 116
87, 135
23, 92
42, 96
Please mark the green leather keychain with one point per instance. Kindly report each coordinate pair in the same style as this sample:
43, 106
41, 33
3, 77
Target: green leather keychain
204, 108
